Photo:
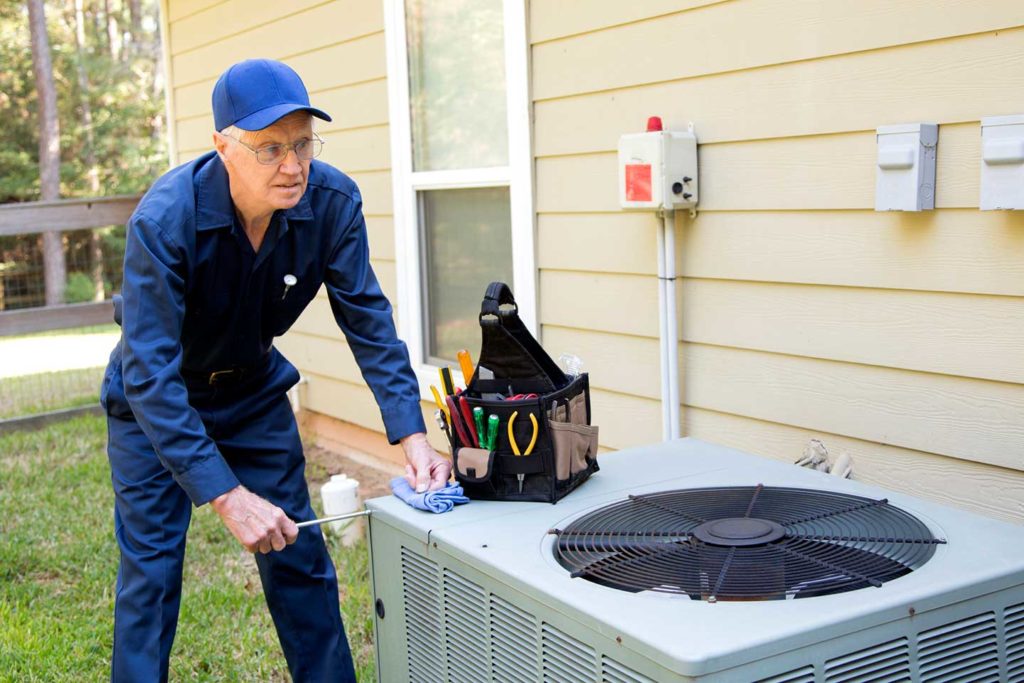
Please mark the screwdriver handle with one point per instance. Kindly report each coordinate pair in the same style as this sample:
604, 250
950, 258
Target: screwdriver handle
466, 363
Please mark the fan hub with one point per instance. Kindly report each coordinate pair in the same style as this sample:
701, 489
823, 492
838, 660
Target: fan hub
739, 531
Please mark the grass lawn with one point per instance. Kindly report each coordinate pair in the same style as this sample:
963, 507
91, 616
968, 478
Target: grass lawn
58, 562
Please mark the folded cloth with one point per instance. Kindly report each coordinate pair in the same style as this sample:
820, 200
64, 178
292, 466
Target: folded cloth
441, 500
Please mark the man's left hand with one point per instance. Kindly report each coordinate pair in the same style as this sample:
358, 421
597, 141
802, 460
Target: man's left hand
427, 470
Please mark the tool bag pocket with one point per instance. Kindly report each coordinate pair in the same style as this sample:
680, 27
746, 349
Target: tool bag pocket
549, 412
574, 446
473, 465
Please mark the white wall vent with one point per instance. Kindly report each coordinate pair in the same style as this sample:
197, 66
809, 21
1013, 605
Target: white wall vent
965, 650
889, 661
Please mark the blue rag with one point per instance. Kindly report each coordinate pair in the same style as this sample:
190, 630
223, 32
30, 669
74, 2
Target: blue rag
441, 500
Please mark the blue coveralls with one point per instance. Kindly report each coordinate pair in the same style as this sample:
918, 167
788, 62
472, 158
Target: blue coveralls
197, 299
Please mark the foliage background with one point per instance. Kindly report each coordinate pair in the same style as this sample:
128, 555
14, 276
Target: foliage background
121, 57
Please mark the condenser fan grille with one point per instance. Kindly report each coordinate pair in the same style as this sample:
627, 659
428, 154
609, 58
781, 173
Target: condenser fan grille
744, 543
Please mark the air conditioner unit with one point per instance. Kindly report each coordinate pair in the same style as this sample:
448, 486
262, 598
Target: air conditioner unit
686, 561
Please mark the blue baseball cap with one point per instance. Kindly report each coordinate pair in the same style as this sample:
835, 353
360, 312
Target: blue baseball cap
253, 94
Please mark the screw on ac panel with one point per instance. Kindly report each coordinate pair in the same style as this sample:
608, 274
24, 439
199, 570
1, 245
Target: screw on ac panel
618, 639
911, 611
380, 608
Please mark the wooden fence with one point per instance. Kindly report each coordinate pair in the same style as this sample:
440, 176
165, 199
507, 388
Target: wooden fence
29, 218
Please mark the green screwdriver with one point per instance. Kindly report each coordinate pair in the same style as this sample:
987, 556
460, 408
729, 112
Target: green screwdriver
478, 418
492, 431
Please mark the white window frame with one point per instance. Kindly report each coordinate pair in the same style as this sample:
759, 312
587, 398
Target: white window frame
405, 183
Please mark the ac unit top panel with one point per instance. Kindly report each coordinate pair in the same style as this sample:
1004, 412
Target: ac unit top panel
510, 543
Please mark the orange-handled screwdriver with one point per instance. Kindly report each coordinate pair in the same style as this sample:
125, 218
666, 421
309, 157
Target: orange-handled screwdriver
466, 363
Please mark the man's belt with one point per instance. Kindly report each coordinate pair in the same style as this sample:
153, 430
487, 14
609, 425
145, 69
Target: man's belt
222, 377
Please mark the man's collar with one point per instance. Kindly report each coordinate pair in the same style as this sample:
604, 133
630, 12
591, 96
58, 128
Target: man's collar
214, 208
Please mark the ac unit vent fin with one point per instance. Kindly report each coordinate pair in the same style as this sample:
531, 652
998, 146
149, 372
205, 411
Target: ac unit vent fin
803, 675
565, 659
465, 619
888, 661
1013, 618
422, 602
614, 672
963, 650
514, 643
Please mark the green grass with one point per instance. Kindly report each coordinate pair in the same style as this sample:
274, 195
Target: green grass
58, 562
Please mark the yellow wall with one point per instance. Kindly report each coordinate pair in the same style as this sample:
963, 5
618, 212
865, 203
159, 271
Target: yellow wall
338, 49
804, 314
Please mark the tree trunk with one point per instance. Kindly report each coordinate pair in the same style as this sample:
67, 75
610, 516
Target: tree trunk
49, 149
135, 25
95, 236
113, 33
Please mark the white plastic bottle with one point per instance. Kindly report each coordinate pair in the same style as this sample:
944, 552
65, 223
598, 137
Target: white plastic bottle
340, 496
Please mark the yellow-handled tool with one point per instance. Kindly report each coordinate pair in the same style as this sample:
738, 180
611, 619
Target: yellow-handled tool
515, 445
440, 403
447, 385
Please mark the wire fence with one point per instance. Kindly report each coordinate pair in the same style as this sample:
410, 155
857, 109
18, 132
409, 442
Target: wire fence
60, 264
93, 263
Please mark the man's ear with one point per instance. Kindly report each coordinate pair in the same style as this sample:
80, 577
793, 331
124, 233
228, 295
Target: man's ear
221, 145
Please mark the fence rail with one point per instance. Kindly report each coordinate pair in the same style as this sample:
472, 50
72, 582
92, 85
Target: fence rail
46, 318
33, 218
27, 218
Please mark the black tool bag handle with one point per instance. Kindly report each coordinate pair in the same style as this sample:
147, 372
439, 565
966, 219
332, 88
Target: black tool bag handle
509, 350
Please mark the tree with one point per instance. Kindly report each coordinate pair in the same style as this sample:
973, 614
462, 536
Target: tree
95, 236
49, 149
115, 108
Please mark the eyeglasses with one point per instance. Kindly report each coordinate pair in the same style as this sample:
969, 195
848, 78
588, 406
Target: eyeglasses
305, 149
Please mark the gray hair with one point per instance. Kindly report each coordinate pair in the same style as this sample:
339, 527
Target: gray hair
233, 132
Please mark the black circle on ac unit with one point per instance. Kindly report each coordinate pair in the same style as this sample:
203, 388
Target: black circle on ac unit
744, 543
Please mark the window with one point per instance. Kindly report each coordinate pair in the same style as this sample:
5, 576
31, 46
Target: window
461, 168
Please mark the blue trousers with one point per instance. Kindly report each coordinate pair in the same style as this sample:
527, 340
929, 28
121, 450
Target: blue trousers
253, 425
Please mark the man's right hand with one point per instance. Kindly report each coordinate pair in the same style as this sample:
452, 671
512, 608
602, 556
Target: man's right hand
255, 522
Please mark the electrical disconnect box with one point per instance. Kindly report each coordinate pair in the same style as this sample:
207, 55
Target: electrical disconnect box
658, 169
905, 177
1002, 162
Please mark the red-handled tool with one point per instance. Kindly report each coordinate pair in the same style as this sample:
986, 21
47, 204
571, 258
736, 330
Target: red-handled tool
467, 415
460, 427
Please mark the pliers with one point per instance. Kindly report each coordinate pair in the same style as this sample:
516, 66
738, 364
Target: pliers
515, 445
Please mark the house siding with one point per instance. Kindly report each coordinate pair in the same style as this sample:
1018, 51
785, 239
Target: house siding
803, 313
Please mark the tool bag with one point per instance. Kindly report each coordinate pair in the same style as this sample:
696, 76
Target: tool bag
551, 410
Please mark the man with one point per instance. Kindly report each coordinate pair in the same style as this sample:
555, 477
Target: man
223, 254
